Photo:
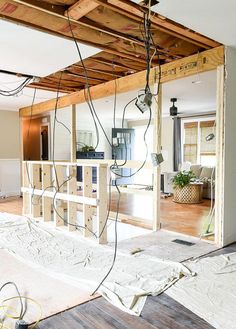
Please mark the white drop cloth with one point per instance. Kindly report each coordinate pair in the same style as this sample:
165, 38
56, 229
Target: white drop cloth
69, 257
211, 294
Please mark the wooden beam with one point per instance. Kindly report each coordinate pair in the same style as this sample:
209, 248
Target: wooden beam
26, 184
102, 203
133, 10
110, 64
220, 156
82, 76
202, 62
103, 72
35, 201
87, 24
73, 134
157, 169
87, 209
81, 8
58, 210
46, 202
72, 206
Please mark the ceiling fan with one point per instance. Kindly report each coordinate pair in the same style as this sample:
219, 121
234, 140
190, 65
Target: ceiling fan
173, 108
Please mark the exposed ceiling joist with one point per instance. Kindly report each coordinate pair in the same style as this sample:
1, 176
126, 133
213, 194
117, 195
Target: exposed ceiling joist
134, 11
103, 72
206, 61
36, 10
114, 26
81, 8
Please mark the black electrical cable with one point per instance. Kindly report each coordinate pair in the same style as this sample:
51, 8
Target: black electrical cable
17, 90
145, 160
88, 97
116, 242
22, 311
69, 178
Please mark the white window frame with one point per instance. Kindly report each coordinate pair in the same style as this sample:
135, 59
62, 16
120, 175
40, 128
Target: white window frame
198, 120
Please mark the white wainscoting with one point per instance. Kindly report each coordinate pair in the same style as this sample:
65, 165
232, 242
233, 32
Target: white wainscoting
10, 183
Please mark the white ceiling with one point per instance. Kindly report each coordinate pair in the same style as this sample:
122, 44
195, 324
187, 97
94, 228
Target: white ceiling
28, 51
24, 98
212, 18
192, 98
36, 53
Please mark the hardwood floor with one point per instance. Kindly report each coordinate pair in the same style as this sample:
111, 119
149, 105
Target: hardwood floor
137, 209
11, 205
183, 218
160, 312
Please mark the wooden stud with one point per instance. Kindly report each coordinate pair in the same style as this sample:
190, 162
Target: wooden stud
73, 134
219, 181
58, 204
26, 183
46, 201
81, 8
102, 203
203, 62
36, 201
157, 170
87, 209
72, 206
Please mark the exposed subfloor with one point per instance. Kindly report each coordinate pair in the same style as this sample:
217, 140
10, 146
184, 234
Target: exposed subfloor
160, 312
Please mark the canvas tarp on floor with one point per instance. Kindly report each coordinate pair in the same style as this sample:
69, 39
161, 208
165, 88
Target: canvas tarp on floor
211, 294
74, 259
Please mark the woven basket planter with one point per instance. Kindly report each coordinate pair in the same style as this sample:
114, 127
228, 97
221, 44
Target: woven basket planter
191, 193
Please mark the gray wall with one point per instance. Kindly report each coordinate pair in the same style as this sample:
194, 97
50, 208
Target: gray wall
9, 135
229, 224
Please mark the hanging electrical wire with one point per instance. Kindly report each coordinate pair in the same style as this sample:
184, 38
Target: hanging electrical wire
17, 90
87, 92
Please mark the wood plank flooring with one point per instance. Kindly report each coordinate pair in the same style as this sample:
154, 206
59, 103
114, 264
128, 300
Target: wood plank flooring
12, 205
136, 209
160, 312
182, 218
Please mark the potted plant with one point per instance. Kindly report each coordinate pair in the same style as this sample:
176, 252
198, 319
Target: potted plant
186, 189
183, 178
87, 148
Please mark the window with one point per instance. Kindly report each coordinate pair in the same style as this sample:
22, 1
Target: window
196, 149
190, 141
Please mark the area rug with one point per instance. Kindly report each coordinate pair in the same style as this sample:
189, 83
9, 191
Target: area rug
75, 260
211, 294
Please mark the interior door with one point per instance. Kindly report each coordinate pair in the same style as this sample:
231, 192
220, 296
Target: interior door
123, 141
44, 143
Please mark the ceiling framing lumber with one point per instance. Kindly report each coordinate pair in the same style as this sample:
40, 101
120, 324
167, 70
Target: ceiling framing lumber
202, 62
103, 72
85, 24
134, 11
114, 26
80, 9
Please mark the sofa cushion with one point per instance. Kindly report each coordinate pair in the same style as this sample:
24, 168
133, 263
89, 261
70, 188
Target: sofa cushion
196, 169
206, 172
